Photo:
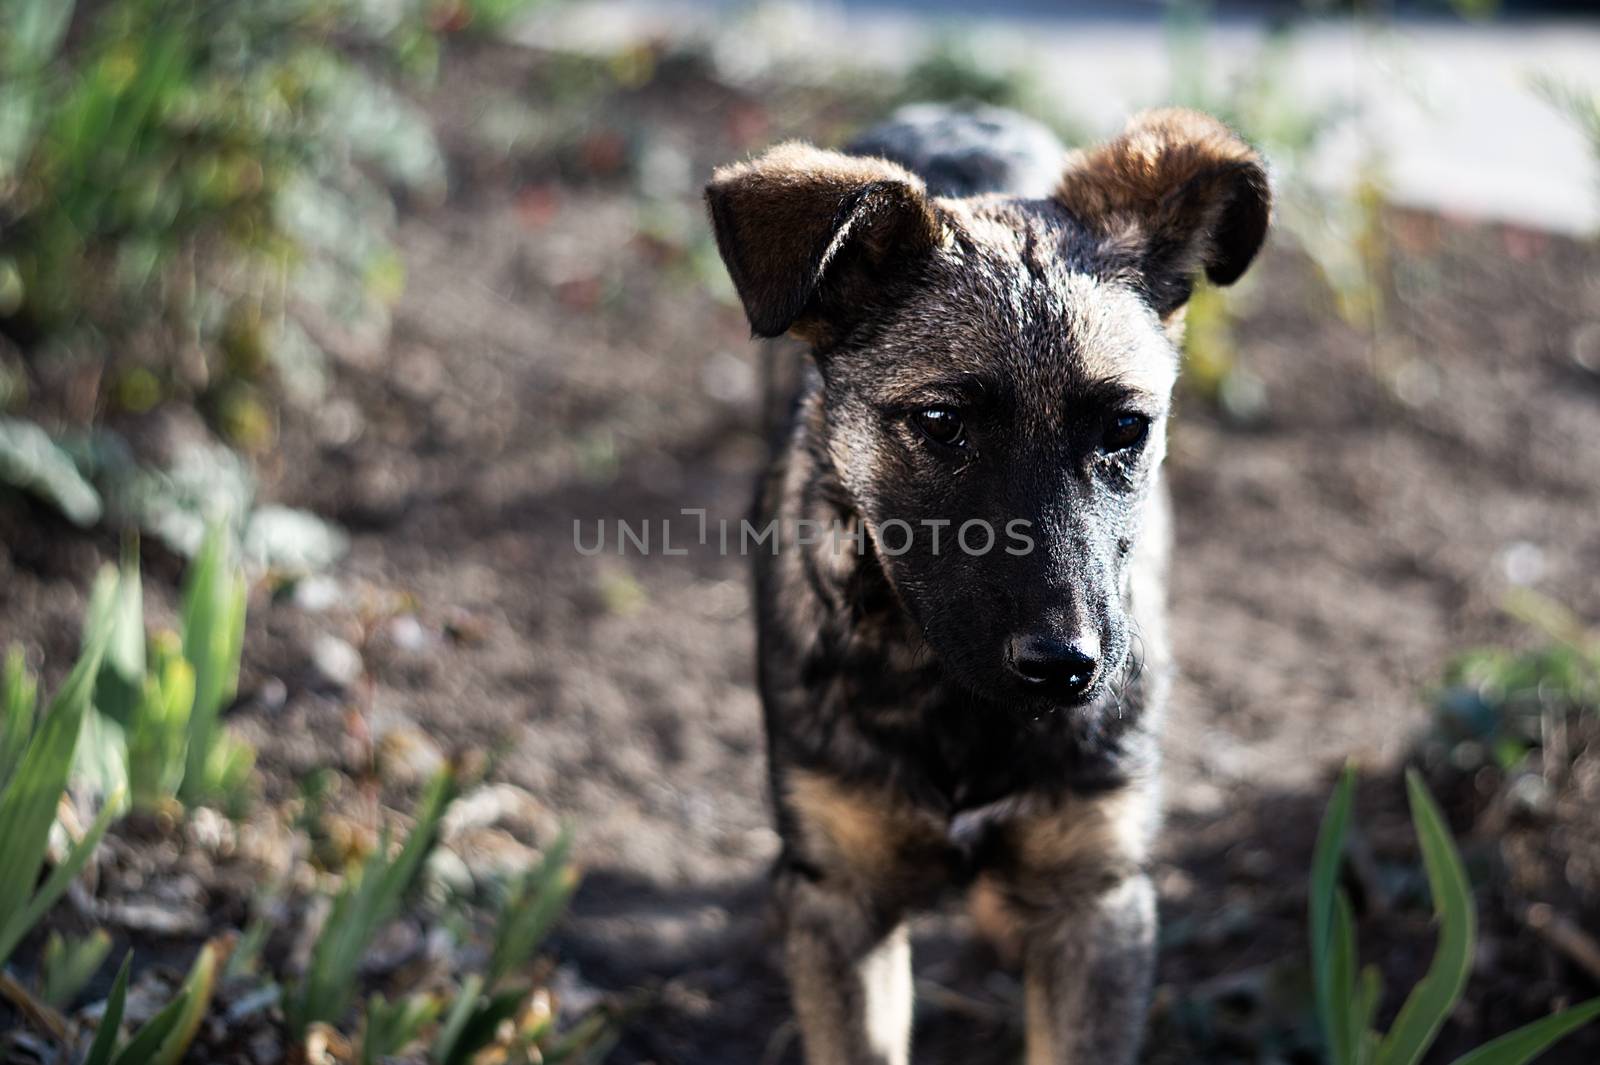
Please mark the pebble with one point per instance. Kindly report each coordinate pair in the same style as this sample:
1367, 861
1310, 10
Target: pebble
408, 756
503, 805
316, 594
408, 634
336, 662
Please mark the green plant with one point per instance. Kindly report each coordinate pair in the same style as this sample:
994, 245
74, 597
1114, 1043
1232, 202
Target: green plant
494, 1009
154, 724
34, 789
214, 599
1502, 698
165, 1037
367, 901
1347, 997
69, 964
531, 906
387, 1029
198, 196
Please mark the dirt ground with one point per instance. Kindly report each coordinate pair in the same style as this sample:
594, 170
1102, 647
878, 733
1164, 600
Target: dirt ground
567, 351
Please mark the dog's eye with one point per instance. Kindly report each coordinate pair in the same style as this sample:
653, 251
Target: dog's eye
1124, 431
942, 425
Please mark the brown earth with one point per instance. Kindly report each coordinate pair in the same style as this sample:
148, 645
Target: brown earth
567, 351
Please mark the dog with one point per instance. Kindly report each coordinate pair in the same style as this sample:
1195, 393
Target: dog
963, 681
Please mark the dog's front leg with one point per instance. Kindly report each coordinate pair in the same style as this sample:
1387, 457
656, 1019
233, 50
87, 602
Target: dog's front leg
849, 971
1088, 979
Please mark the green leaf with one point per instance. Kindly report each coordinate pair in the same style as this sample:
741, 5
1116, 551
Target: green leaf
389, 1029
448, 1038
1531, 1040
121, 682
1343, 1038
361, 909
482, 1023
28, 804
158, 739
1324, 891
196, 999
144, 1046
60, 879
213, 637
34, 32
1366, 1011
32, 462
18, 701
1431, 1001
536, 901
71, 964
105, 1037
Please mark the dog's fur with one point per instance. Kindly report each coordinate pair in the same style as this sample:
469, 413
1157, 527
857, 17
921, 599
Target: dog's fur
908, 759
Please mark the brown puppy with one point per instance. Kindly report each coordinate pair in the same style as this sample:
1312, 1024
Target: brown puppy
962, 638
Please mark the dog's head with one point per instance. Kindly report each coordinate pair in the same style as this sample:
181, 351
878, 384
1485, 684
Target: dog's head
997, 372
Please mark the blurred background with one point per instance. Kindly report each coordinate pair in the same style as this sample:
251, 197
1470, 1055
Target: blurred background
388, 294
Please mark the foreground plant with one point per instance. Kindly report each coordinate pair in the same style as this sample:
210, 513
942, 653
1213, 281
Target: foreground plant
155, 727
1347, 1003
34, 785
369, 899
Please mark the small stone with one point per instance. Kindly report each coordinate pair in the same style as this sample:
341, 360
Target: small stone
336, 662
316, 594
1522, 562
499, 805
408, 756
272, 695
445, 875
1530, 794
408, 634
212, 832
493, 854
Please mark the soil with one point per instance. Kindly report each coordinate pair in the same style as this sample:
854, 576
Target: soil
567, 351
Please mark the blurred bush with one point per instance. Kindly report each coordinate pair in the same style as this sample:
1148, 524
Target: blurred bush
194, 198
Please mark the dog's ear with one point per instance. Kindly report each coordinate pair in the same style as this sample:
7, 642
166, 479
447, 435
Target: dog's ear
1176, 192
809, 235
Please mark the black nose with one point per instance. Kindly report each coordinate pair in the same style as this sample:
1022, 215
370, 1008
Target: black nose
1060, 667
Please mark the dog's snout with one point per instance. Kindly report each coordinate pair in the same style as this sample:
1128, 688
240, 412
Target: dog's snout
1062, 667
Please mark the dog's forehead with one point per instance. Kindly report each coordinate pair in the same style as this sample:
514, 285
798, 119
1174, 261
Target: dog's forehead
1016, 288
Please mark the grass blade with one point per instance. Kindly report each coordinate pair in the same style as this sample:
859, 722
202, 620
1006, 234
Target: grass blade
19, 698
196, 999
28, 804
361, 910
1324, 891
534, 905
60, 879
105, 1037
1431, 1001
1531, 1040
121, 679
69, 964
142, 1048
455, 1022
1343, 1039
213, 632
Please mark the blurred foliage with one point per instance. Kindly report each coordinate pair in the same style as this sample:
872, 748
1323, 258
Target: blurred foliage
39, 760
153, 727
501, 1010
1580, 103
369, 899
191, 193
1499, 703
1348, 997
953, 70
1343, 234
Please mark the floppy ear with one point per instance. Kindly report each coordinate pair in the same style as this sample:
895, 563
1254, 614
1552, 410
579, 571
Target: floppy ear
1175, 192
808, 235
